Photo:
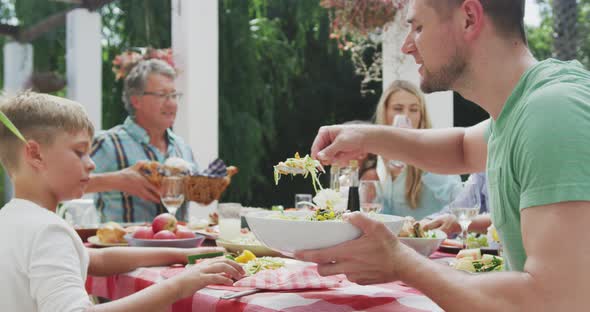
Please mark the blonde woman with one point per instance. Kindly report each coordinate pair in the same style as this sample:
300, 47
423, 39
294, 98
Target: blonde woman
407, 190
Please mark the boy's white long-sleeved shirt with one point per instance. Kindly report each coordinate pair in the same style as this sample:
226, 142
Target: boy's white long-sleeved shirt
43, 262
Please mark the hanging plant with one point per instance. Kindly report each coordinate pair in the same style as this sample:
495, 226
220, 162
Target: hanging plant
123, 62
358, 26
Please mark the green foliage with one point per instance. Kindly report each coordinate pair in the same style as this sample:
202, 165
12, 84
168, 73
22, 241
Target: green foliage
541, 38
281, 79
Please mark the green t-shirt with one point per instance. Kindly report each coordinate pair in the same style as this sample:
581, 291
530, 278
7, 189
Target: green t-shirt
539, 148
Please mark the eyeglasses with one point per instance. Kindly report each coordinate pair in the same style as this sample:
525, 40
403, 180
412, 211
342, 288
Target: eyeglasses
176, 96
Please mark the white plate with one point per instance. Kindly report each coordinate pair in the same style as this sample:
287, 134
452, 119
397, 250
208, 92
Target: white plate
95, 241
258, 250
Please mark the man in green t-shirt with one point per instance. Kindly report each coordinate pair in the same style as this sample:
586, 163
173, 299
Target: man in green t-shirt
535, 149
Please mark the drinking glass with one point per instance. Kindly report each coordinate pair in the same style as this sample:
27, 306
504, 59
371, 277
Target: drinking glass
371, 196
400, 121
230, 222
172, 193
302, 201
465, 204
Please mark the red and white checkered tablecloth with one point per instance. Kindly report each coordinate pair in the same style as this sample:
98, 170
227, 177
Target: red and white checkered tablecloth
349, 297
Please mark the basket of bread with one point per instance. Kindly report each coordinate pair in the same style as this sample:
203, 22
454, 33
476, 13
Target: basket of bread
201, 187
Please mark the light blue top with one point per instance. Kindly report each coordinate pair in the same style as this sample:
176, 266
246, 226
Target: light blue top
122, 147
436, 190
478, 181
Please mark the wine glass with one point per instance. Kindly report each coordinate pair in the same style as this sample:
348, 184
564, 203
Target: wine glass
400, 121
370, 196
465, 205
172, 193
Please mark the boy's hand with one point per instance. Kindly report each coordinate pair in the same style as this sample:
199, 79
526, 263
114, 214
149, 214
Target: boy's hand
217, 271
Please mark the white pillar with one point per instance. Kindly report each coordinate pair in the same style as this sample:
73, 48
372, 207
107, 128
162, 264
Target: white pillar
195, 41
84, 62
18, 67
397, 65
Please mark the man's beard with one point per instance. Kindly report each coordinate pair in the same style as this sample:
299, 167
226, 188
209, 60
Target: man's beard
445, 77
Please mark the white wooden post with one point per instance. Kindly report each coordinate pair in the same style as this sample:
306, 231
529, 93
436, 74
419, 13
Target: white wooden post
195, 41
18, 67
397, 65
84, 62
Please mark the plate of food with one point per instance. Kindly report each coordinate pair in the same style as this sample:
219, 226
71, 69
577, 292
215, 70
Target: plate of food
109, 234
473, 261
424, 242
247, 241
94, 240
473, 240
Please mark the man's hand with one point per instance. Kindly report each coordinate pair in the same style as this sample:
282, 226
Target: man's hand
132, 182
339, 144
446, 223
375, 257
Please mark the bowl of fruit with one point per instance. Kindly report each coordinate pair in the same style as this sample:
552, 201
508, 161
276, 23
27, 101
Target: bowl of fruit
164, 232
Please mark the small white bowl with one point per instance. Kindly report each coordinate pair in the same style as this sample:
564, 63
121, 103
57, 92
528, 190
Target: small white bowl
425, 246
289, 235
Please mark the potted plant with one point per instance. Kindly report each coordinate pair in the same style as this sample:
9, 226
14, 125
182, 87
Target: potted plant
358, 26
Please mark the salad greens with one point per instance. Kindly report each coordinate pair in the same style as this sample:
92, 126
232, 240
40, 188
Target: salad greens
297, 165
264, 263
476, 241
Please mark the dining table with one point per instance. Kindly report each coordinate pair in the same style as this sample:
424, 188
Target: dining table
394, 296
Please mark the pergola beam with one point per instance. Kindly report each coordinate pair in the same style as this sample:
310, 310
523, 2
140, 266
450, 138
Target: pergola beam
35, 31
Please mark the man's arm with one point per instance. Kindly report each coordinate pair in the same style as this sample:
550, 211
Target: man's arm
109, 261
444, 151
556, 271
555, 276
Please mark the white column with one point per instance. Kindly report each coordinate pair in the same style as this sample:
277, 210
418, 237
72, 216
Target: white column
195, 33
397, 65
84, 62
18, 67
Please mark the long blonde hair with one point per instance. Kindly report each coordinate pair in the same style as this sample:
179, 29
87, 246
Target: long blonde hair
414, 175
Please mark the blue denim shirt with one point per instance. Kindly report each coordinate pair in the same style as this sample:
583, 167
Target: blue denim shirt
121, 147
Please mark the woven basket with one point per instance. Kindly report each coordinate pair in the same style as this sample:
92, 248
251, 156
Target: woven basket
204, 190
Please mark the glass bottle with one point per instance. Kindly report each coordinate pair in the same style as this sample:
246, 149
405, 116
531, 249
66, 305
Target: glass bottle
348, 182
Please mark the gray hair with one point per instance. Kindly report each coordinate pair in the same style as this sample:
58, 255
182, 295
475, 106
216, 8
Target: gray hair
138, 76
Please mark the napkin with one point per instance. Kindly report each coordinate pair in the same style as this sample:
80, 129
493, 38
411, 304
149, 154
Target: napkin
306, 277
216, 169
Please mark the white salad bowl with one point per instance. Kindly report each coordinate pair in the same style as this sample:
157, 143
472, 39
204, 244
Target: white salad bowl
287, 232
425, 246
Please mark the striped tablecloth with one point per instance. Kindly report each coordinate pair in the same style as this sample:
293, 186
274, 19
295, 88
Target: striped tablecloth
350, 297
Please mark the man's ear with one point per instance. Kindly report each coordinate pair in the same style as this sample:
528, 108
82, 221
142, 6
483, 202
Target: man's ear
134, 101
473, 14
33, 154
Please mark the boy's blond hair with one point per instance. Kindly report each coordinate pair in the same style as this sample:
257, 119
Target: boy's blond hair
39, 117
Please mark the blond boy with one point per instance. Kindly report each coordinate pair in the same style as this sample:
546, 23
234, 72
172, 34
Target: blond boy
43, 263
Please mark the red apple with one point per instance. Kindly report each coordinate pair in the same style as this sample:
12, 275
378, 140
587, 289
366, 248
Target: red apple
164, 234
164, 221
185, 234
144, 232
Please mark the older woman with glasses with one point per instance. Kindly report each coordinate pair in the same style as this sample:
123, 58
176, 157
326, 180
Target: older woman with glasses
151, 99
